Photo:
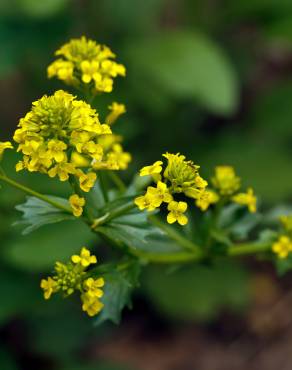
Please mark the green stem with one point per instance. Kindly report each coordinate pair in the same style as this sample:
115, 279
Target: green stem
103, 187
34, 193
111, 215
174, 235
248, 248
117, 181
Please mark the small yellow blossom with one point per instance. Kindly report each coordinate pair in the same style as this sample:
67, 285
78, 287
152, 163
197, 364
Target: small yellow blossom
62, 170
206, 198
90, 71
87, 181
282, 247
49, 286
3, 146
63, 70
286, 221
246, 199
116, 110
225, 180
92, 287
176, 213
91, 305
117, 159
144, 202
56, 150
77, 203
84, 259
154, 170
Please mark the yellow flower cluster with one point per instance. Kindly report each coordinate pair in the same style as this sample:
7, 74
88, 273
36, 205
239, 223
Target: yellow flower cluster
227, 183
179, 176
3, 146
83, 62
282, 247
71, 277
56, 130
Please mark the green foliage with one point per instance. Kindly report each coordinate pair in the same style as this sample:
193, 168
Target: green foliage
198, 292
119, 285
133, 229
37, 213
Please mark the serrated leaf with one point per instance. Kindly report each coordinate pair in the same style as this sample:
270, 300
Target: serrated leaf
117, 292
37, 213
134, 230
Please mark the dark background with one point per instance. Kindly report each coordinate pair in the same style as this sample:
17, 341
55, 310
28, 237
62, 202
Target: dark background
211, 79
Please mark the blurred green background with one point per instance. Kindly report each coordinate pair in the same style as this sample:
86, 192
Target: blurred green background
208, 78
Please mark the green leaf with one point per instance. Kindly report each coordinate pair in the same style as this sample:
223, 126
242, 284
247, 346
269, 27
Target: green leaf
237, 221
134, 230
198, 292
187, 65
118, 288
37, 213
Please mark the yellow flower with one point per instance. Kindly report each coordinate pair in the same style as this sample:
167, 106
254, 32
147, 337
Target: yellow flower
154, 170
62, 170
117, 159
87, 181
49, 286
91, 305
56, 150
84, 259
246, 199
144, 202
90, 71
83, 61
176, 213
3, 146
206, 198
116, 110
92, 287
159, 194
282, 247
225, 180
286, 221
77, 203
63, 70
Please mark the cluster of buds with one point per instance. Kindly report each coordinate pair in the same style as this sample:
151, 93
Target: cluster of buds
72, 277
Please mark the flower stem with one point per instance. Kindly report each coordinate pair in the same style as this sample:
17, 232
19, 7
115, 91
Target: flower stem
34, 193
103, 187
117, 181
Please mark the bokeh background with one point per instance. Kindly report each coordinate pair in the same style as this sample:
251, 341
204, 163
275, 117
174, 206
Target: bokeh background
209, 78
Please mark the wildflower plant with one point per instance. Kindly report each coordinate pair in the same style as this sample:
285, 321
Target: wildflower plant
169, 214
